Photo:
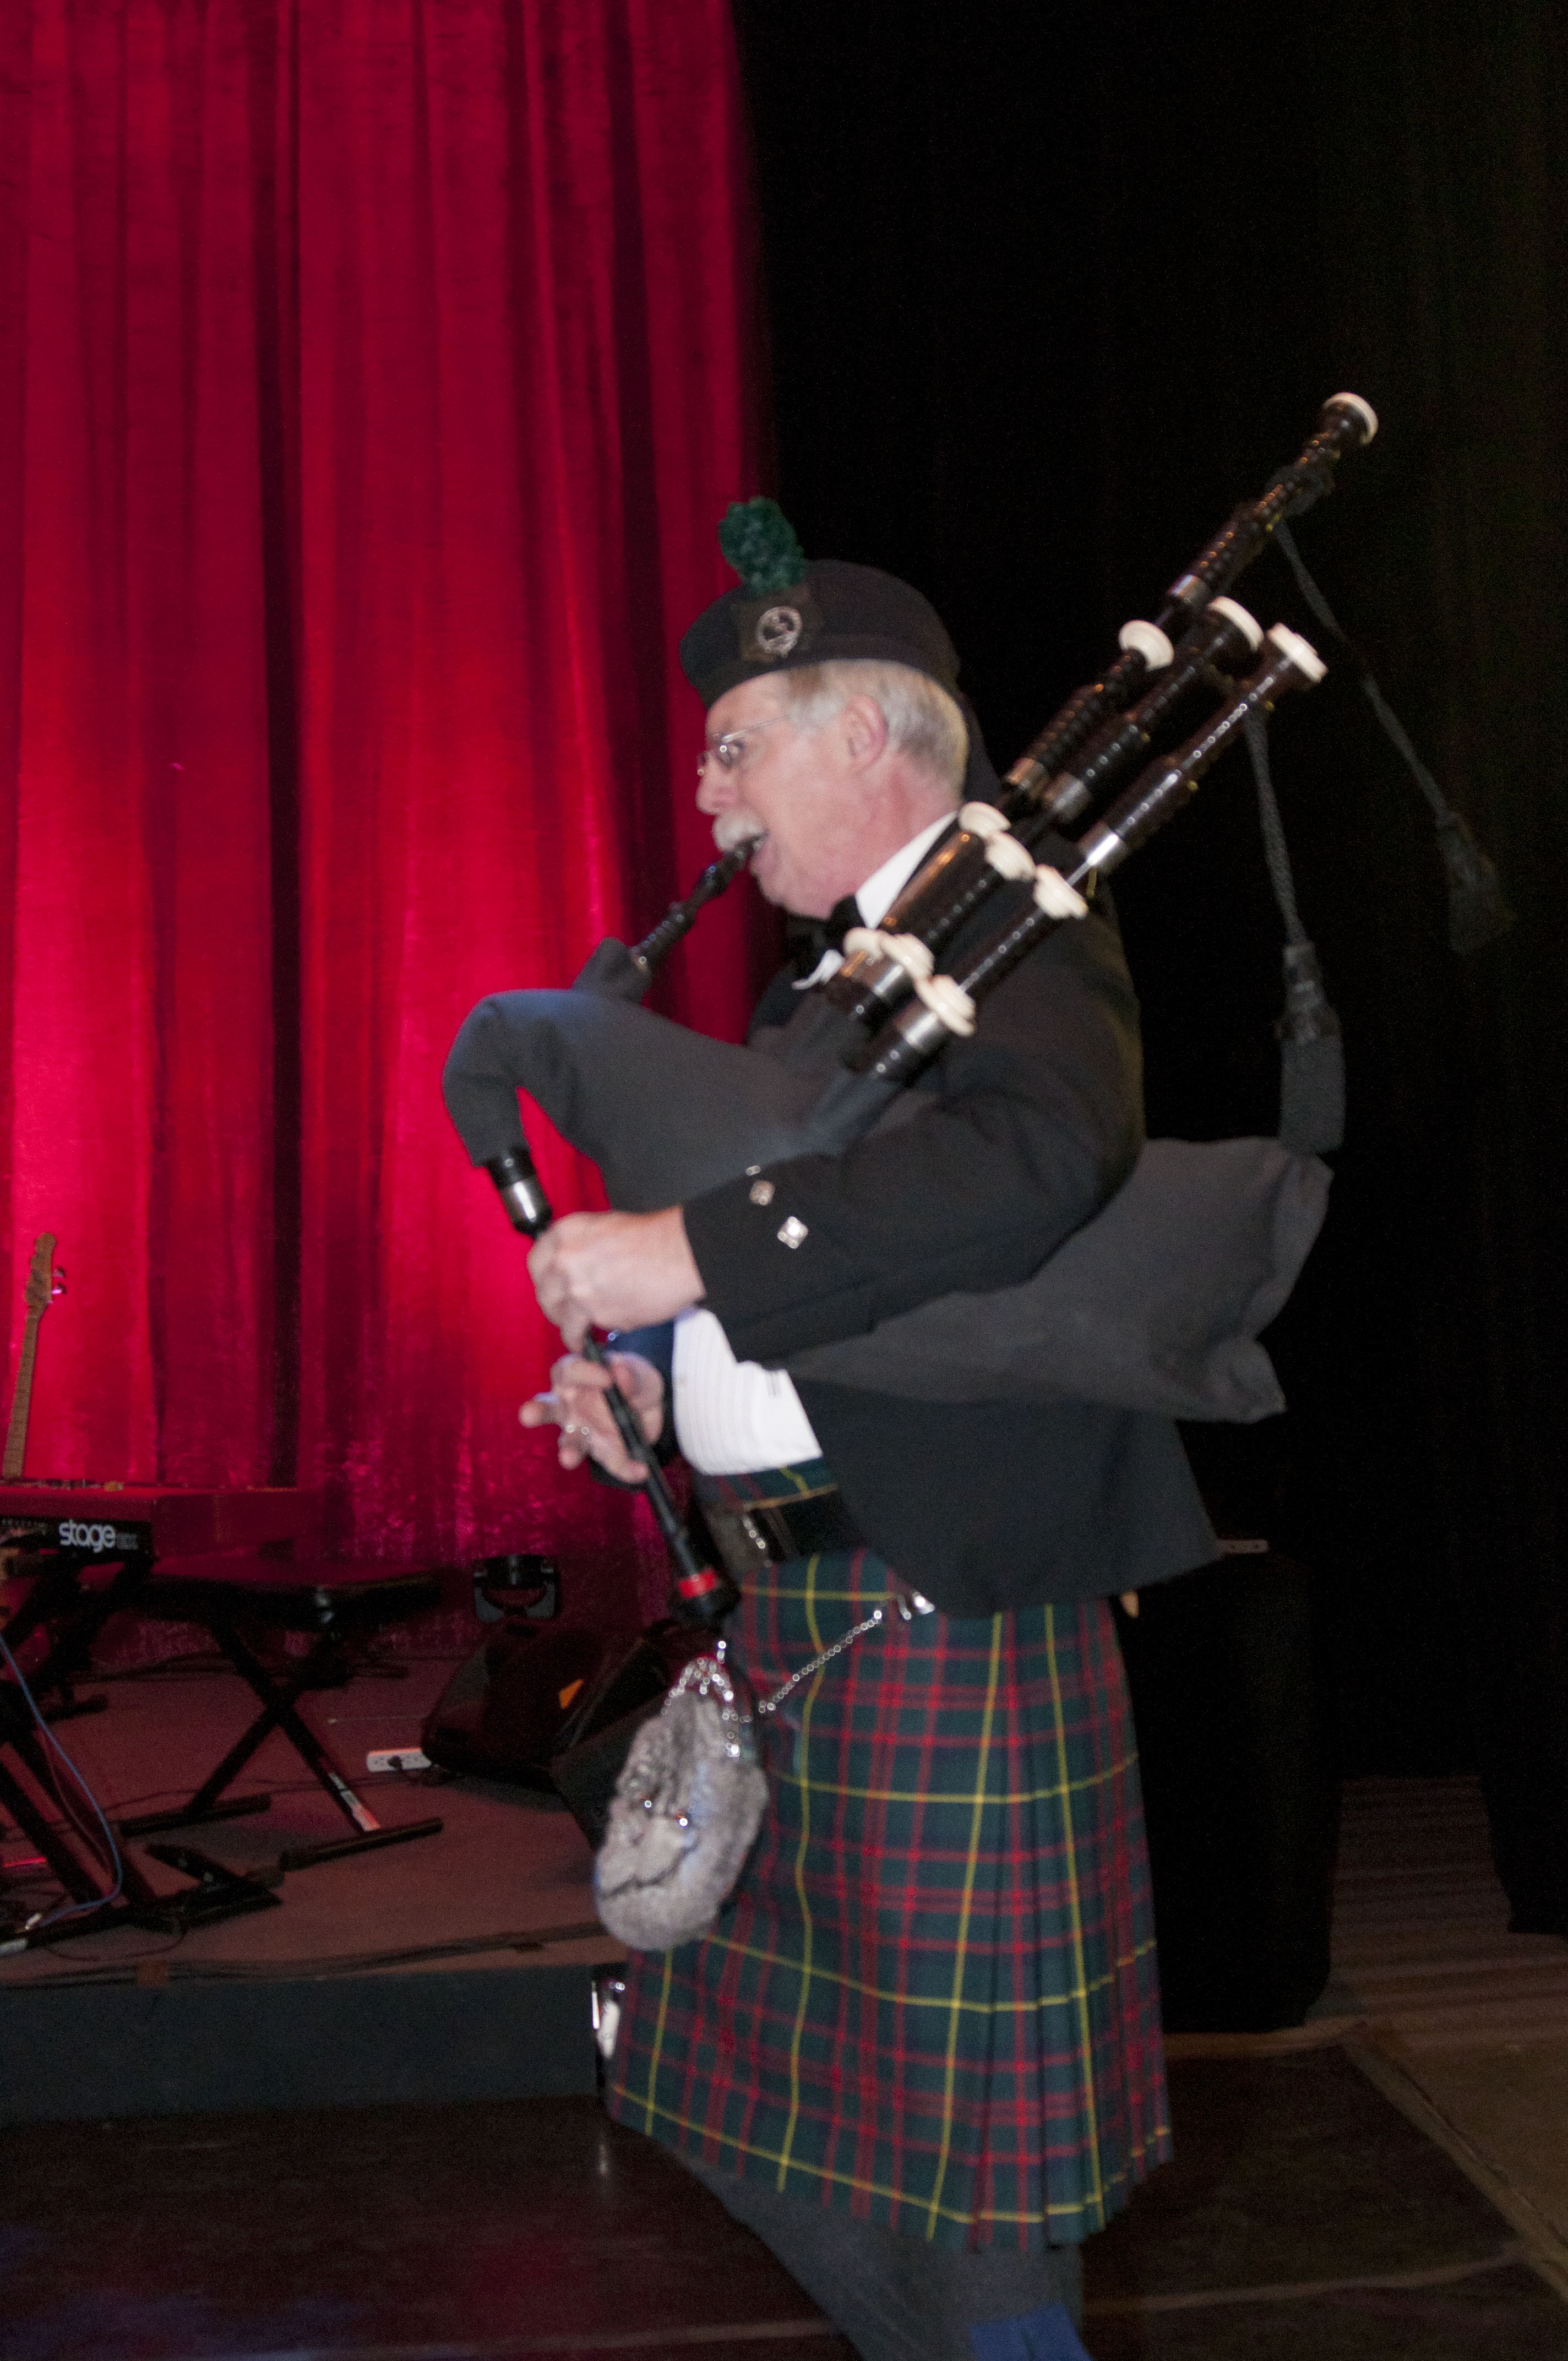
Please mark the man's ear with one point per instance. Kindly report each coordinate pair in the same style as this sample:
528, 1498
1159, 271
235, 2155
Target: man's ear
864, 728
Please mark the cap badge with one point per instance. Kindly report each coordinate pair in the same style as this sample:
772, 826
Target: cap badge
778, 631
773, 630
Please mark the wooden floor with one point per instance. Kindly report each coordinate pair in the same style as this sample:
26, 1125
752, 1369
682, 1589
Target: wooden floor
1462, 2024
1421, 1926
481, 2233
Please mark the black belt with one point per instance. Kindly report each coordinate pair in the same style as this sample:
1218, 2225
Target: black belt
765, 1532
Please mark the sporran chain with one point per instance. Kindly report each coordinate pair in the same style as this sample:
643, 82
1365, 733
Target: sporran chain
771, 1704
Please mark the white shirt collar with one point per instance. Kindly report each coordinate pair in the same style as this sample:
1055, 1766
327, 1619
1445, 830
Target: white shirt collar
876, 897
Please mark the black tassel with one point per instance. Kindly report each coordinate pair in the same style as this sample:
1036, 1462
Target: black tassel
1477, 913
1312, 1060
1311, 1054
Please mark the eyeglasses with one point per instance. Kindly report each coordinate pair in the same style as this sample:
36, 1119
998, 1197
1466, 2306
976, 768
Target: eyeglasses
733, 752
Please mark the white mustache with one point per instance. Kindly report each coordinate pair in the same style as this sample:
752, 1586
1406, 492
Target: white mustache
737, 827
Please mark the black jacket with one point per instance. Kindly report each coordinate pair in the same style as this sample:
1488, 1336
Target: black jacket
1025, 1131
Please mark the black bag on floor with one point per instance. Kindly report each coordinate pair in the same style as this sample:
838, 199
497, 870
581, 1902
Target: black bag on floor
528, 1698
585, 1774
504, 1713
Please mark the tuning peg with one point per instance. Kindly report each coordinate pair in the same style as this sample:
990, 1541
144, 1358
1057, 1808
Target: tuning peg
57, 1290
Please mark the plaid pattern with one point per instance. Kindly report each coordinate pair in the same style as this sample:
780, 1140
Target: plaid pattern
932, 2001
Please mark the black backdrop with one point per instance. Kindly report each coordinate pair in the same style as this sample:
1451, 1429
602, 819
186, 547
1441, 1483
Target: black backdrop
1043, 309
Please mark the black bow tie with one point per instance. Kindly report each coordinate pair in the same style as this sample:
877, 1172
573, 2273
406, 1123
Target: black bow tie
810, 937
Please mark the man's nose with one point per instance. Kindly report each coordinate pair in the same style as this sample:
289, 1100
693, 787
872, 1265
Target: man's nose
715, 789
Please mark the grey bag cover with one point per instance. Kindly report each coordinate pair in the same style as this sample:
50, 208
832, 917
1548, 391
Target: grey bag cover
1154, 1305
666, 1114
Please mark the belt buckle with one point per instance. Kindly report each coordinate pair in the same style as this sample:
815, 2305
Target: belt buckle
766, 1544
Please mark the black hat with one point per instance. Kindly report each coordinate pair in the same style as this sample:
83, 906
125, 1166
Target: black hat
787, 611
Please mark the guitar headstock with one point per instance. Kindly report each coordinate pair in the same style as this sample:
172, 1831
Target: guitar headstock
44, 1282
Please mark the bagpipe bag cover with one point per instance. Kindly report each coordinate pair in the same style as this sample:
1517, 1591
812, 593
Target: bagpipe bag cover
1156, 1304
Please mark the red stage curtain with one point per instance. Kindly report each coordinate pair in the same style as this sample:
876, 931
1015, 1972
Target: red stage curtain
375, 372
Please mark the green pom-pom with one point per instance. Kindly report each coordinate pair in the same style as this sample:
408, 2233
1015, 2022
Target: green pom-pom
759, 541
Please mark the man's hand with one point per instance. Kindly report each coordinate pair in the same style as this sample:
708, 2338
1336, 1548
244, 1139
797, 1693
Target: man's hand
614, 1270
576, 1403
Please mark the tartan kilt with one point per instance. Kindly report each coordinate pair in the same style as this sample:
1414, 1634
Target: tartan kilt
932, 2000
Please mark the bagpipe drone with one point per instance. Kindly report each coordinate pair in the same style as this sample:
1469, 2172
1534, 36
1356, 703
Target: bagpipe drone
1158, 1302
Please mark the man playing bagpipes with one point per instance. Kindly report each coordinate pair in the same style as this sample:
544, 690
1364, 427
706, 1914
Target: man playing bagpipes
919, 2054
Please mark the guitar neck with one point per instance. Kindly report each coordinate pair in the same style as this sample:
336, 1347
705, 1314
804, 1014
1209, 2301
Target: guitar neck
21, 1402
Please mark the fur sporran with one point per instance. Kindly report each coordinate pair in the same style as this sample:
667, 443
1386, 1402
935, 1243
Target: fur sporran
686, 1813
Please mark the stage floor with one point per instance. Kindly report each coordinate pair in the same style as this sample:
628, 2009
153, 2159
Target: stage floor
405, 1961
507, 1862
1304, 2216
205, 2159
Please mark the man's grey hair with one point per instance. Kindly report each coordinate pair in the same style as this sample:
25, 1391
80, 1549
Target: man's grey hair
923, 722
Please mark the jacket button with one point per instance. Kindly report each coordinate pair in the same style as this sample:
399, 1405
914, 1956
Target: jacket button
792, 1231
761, 1192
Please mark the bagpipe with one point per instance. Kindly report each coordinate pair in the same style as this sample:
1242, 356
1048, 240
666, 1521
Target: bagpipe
1157, 1303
